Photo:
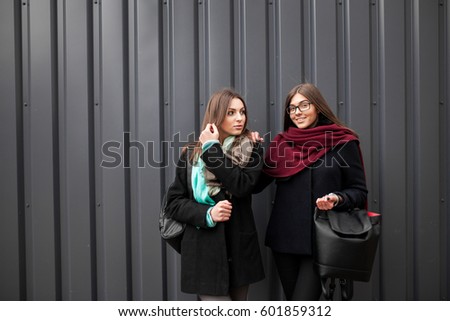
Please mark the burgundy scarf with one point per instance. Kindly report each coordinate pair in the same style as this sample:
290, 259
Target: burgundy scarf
295, 149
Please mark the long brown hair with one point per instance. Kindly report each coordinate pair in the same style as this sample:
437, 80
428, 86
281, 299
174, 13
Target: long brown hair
216, 111
313, 94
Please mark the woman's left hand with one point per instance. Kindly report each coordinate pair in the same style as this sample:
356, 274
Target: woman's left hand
256, 138
327, 202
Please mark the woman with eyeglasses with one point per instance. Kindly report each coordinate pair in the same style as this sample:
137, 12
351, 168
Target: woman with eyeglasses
315, 162
220, 254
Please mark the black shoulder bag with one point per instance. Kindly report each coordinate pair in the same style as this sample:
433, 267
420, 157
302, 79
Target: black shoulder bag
345, 244
171, 230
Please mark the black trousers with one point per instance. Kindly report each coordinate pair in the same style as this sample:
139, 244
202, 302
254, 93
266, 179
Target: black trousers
299, 280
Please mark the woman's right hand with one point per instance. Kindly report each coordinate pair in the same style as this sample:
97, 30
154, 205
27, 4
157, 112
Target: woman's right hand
221, 212
209, 133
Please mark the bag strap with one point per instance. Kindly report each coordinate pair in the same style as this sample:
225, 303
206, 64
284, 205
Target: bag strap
328, 293
189, 173
346, 288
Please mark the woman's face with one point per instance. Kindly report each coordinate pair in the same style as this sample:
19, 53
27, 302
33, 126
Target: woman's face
303, 119
234, 121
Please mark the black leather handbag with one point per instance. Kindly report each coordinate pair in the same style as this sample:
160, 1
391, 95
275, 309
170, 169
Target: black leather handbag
345, 244
171, 230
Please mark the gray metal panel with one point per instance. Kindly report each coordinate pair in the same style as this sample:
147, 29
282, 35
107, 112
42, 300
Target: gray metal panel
358, 105
38, 154
412, 90
325, 49
9, 198
390, 107
111, 210
145, 110
427, 154
446, 178
216, 46
444, 21
91, 70
73, 104
181, 101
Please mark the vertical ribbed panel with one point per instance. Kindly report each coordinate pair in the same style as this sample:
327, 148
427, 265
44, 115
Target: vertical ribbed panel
73, 112
10, 194
39, 149
146, 102
444, 45
426, 149
110, 123
99, 96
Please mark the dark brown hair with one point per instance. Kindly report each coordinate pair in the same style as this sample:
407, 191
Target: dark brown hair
216, 111
313, 94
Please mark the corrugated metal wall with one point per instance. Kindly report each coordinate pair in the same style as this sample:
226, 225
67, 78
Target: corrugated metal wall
78, 75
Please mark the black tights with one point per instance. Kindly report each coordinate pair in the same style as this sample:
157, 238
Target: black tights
299, 280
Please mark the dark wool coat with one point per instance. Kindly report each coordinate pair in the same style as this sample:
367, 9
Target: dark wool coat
213, 260
339, 171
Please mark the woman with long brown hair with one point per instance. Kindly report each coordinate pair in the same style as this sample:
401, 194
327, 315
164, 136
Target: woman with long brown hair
220, 254
316, 162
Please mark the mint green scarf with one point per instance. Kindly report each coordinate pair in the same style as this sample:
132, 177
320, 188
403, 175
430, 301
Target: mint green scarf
204, 183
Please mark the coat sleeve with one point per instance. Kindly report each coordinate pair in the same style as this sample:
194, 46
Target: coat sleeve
179, 205
238, 181
354, 191
264, 180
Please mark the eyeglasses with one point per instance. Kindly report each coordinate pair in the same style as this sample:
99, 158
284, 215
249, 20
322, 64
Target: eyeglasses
303, 106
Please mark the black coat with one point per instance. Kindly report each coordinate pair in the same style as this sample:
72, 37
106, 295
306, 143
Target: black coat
213, 260
339, 171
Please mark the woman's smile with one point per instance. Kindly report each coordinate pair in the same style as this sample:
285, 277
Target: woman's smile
303, 119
